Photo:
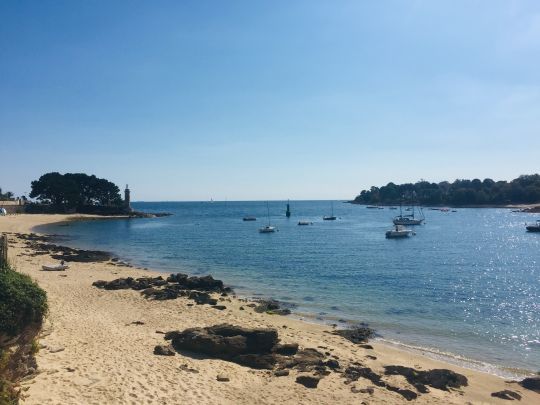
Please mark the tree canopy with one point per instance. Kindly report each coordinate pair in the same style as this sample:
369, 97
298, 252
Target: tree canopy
6, 196
523, 190
75, 190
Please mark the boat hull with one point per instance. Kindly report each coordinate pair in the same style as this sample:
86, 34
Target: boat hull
398, 234
407, 221
533, 228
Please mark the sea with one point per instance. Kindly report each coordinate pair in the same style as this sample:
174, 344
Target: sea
464, 288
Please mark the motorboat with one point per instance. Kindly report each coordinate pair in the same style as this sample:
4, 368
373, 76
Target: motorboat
373, 207
399, 232
533, 227
249, 219
302, 223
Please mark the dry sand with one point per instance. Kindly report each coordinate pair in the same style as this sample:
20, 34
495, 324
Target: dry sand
93, 354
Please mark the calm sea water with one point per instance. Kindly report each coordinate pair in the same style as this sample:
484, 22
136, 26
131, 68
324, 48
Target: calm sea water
468, 283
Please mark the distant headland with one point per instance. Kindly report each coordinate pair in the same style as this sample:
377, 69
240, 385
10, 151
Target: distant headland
461, 193
70, 193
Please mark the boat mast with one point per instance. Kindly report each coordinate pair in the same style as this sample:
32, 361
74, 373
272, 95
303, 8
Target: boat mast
268, 210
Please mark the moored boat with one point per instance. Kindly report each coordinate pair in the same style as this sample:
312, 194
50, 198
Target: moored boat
533, 227
304, 223
268, 228
330, 217
399, 232
408, 219
249, 218
58, 267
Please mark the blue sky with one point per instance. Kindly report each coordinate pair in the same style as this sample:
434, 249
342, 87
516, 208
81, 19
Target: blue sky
195, 100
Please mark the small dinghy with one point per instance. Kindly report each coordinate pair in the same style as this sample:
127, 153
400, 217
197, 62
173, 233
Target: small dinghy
58, 267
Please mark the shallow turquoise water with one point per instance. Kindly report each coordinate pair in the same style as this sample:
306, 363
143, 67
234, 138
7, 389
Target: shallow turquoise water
468, 283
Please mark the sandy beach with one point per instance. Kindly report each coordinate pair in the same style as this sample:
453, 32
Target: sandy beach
97, 347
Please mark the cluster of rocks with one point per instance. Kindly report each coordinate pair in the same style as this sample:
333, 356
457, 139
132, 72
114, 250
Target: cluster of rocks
260, 348
177, 285
40, 245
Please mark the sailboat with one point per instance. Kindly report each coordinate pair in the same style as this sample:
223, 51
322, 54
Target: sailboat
330, 217
408, 219
268, 228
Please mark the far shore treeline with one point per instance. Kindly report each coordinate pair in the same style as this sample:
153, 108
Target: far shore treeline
75, 192
523, 190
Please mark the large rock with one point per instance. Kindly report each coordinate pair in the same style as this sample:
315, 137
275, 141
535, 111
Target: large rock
204, 283
442, 379
161, 350
271, 307
531, 383
247, 346
118, 284
356, 335
506, 394
308, 381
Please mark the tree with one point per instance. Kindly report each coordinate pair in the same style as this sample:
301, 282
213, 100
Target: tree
75, 190
524, 189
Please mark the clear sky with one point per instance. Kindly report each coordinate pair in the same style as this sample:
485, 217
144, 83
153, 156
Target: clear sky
192, 100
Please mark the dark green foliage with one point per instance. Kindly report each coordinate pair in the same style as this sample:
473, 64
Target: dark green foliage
22, 302
75, 190
8, 195
523, 190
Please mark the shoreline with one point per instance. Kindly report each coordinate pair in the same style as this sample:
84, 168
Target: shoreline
296, 328
527, 208
336, 321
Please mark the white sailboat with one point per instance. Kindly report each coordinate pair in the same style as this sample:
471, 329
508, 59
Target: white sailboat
268, 228
408, 219
330, 217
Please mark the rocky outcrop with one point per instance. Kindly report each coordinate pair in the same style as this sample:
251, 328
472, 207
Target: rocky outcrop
247, 346
308, 381
178, 285
260, 348
354, 373
356, 335
442, 379
531, 383
271, 307
506, 394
